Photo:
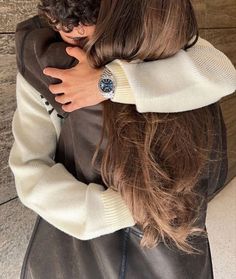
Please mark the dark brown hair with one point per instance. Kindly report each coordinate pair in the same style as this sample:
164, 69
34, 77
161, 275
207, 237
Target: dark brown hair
155, 160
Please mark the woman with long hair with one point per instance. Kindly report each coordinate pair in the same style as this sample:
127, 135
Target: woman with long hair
164, 165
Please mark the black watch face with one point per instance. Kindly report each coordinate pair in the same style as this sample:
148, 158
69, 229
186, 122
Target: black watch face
106, 85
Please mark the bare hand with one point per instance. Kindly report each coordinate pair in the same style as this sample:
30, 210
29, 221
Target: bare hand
79, 84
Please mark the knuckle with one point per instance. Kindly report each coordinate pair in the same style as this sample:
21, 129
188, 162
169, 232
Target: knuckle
77, 103
71, 97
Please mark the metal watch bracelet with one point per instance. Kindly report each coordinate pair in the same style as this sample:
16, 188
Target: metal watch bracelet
107, 74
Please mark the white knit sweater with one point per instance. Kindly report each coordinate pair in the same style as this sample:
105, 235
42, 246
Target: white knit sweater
186, 81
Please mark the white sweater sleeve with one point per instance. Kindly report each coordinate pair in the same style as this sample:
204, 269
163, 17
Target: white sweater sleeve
83, 211
191, 79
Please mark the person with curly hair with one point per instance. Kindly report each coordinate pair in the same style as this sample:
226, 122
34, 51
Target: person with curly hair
121, 194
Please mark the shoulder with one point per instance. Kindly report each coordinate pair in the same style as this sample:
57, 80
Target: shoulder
28, 96
23, 29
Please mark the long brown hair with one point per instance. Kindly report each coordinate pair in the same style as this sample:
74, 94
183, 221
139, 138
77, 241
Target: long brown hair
154, 160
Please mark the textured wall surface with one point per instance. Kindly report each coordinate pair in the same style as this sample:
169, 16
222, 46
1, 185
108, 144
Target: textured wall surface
217, 22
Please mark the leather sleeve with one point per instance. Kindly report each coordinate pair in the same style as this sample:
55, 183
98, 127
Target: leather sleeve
33, 55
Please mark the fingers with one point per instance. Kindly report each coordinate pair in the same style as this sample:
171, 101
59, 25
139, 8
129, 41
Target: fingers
79, 103
56, 88
63, 99
74, 105
63, 88
77, 53
70, 107
54, 72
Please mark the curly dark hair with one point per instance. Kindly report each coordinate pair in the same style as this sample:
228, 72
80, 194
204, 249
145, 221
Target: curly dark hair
69, 13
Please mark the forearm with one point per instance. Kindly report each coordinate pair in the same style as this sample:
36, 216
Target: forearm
185, 81
81, 210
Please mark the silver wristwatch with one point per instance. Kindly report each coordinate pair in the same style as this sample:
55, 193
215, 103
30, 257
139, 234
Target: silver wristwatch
107, 84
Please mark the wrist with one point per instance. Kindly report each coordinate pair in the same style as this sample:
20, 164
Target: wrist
123, 92
107, 84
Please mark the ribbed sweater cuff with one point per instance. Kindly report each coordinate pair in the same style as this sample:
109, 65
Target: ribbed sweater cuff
116, 212
123, 93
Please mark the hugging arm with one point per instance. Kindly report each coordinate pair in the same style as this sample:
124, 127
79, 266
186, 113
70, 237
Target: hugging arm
191, 79
188, 80
44, 186
47, 187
